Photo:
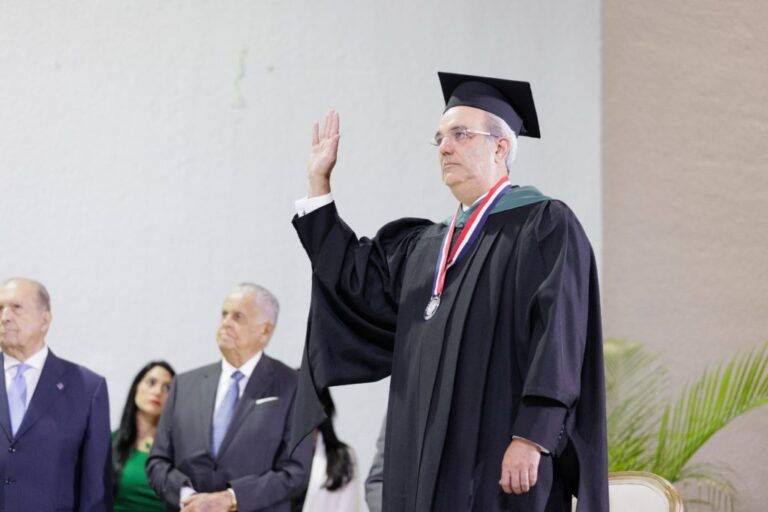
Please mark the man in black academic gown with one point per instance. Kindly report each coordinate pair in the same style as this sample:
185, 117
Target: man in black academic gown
488, 323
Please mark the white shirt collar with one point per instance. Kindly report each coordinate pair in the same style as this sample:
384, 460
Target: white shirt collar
36, 360
465, 207
246, 369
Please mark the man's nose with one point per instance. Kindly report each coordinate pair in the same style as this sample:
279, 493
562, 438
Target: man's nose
446, 145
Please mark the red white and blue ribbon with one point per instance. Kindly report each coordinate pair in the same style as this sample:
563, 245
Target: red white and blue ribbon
467, 237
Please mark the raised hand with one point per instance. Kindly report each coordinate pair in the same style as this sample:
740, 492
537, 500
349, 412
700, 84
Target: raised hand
325, 145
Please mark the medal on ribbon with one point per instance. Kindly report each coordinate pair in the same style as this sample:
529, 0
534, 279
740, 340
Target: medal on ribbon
466, 238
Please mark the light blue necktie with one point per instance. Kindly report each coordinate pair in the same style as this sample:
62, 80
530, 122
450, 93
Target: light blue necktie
17, 397
224, 414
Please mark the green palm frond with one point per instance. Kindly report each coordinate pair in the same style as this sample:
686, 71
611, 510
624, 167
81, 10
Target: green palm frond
706, 406
648, 432
629, 369
711, 487
634, 381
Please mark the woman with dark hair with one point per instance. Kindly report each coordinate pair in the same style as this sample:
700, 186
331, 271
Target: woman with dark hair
132, 441
333, 480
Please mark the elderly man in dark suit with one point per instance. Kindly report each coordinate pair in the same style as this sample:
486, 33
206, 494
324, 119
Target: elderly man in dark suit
54, 415
222, 441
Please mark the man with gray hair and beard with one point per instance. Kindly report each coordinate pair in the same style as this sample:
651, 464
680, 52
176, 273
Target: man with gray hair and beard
222, 441
487, 322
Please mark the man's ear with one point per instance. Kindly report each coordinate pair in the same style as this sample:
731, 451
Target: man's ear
503, 147
47, 318
267, 331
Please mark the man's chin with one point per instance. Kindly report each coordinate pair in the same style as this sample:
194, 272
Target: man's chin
450, 180
453, 182
227, 344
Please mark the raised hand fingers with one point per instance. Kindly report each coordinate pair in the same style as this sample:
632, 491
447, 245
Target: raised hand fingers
328, 125
335, 130
330, 128
325, 126
322, 158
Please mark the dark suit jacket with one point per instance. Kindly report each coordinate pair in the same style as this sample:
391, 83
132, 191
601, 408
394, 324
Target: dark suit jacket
374, 484
60, 458
253, 459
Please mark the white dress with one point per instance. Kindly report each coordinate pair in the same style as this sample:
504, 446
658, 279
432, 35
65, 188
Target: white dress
320, 499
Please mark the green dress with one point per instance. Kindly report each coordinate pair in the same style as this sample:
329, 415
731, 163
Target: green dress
133, 491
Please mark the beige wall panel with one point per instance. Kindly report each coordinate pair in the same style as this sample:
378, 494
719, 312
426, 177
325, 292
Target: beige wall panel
685, 161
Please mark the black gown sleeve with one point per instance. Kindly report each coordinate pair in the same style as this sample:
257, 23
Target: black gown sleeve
561, 344
356, 285
554, 272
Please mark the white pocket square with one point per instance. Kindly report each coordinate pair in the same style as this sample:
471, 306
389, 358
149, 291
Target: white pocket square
260, 401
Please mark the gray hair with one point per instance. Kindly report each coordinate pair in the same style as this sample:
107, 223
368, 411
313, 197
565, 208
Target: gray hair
499, 127
265, 300
43, 297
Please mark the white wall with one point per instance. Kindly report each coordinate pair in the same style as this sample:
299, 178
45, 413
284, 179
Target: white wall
686, 217
150, 152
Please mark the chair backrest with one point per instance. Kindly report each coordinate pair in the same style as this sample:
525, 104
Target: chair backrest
638, 491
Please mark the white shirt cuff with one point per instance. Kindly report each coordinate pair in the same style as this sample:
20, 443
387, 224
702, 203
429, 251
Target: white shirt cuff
232, 492
537, 445
185, 493
307, 205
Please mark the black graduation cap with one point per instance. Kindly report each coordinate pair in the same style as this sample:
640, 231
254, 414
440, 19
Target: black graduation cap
510, 100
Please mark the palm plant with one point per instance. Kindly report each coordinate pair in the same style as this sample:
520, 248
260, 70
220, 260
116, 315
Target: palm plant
648, 431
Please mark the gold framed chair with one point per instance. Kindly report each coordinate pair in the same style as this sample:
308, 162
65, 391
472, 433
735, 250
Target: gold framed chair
640, 491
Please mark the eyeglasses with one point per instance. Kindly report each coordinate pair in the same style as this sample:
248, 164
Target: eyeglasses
458, 135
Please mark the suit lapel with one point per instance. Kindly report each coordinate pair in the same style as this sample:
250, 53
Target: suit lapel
207, 390
53, 384
5, 418
257, 385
